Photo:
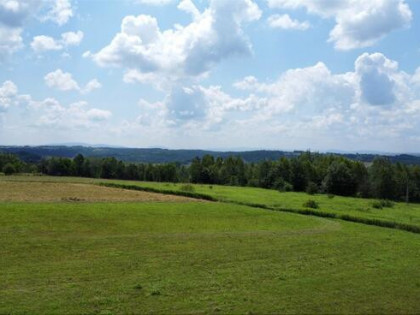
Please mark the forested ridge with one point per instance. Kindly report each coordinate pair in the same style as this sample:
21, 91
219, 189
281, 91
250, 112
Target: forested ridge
34, 154
310, 172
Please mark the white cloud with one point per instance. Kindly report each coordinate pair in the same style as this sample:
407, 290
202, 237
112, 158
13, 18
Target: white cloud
10, 41
14, 14
359, 23
64, 81
95, 114
154, 2
72, 38
44, 43
309, 89
184, 51
377, 78
189, 7
58, 11
303, 104
91, 85
285, 22
52, 114
8, 93
47, 115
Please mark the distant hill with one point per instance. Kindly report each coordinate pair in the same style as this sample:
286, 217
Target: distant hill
157, 155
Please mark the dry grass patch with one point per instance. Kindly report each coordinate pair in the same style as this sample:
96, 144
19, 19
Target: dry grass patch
76, 192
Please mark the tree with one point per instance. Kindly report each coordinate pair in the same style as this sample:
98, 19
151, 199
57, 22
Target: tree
299, 178
109, 168
79, 165
339, 179
9, 169
382, 178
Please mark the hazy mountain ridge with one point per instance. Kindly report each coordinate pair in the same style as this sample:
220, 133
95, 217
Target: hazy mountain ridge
184, 156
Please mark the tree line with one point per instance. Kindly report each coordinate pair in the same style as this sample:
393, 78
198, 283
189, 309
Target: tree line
310, 172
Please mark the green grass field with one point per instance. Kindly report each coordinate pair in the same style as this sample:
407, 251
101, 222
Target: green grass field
201, 257
357, 207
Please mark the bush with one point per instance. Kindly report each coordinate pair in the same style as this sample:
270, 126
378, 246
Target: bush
331, 196
312, 188
9, 169
379, 204
311, 204
187, 188
283, 186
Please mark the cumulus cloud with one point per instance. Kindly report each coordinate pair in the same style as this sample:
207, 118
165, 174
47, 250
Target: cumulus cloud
10, 41
359, 23
44, 43
13, 15
48, 114
184, 51
374, 100
91, 85
8, 93
309, 89
64, 81
51, 113
58, 11
377, 78
285, 22
72, 38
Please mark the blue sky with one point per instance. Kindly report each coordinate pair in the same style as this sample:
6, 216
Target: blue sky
219, 74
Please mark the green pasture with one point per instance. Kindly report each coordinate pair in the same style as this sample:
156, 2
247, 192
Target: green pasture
358, 207
199, 258
401, 212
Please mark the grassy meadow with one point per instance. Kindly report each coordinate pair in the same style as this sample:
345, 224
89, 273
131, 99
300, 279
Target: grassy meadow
83, 248
358, 207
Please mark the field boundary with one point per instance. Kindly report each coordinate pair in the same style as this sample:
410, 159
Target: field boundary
323, 214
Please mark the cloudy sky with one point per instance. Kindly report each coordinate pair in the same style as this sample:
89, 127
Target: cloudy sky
218, 74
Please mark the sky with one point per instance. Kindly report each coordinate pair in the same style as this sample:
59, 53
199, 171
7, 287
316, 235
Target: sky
320, 75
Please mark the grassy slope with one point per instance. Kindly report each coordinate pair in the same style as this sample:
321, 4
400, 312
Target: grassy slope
199, 257
358, 207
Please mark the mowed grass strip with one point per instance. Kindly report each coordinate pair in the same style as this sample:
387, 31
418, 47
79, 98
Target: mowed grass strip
76, 192
199, 258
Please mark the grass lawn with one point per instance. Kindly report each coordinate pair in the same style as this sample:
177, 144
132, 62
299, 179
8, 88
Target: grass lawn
199, 258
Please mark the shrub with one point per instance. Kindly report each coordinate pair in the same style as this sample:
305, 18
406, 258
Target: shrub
282, 186
331, 196
9, 169
187, 188
379, 204
311, 204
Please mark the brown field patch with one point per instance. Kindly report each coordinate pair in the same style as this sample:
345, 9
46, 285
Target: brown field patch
76, 192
